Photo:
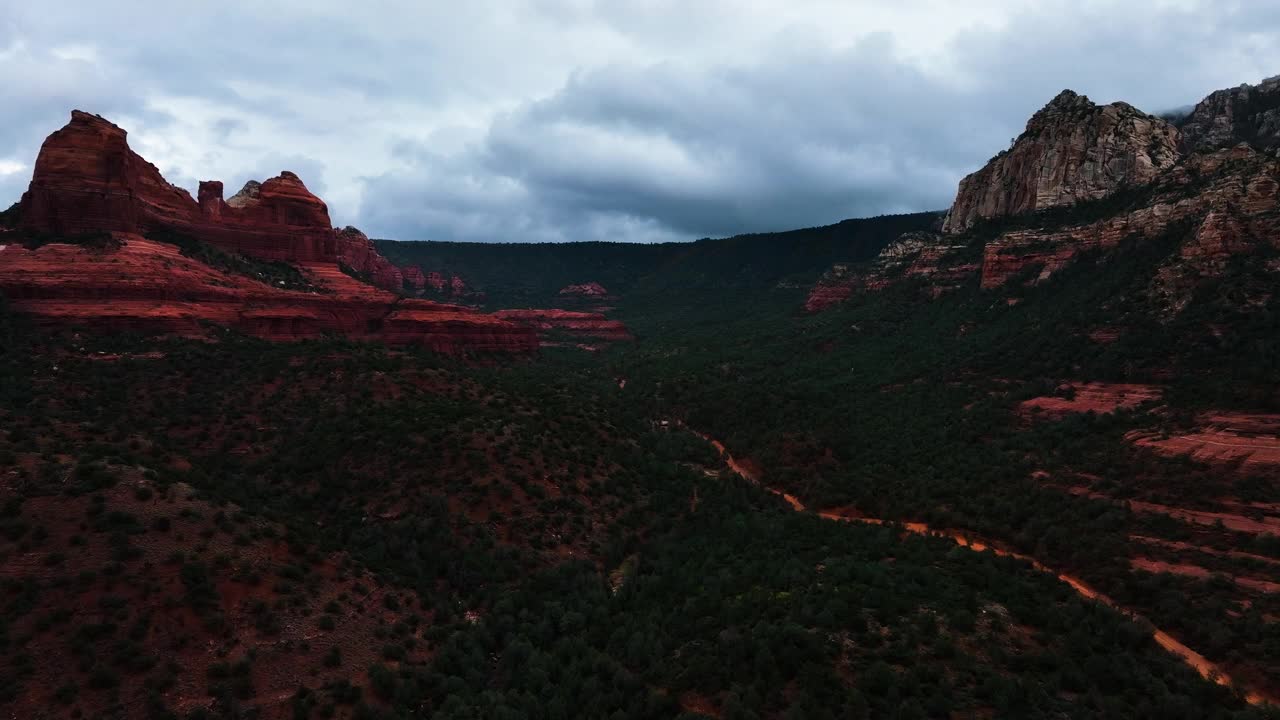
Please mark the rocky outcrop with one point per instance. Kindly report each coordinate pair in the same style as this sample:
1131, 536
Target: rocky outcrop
834, 287
1248, 114
356, 251
1096, 397
414, 279
1071, 150
1229, 197
1086, 178
1251, 440
913, 256
590, 289
87, 179
567, 322
145, 285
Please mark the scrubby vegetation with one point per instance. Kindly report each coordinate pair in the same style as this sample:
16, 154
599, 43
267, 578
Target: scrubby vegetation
531, 274
271, 272
333, 529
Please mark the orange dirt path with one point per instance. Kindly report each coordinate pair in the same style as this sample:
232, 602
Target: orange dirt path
1207, 668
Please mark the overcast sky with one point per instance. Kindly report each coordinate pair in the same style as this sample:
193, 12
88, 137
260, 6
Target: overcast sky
524, 120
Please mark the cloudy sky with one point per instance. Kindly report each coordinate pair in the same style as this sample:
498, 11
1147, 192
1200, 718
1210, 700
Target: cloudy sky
638, 120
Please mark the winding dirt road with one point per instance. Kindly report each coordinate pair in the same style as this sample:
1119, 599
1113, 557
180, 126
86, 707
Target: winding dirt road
1207, 669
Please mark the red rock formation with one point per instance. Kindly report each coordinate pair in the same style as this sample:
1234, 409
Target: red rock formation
441, 284
591, 289
436, 281
356, 251
414, 278
1231, 194
834, 287
150, 286
1253, 440
87, 179
580, 324
1095, 397
913, 256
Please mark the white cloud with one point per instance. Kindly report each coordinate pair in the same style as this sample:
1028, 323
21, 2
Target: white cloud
590, 119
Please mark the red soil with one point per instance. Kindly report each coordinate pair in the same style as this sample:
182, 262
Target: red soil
1195, 571
150, 286
1097, 397
1206, 668
1252, 439
1230, 521
260, 599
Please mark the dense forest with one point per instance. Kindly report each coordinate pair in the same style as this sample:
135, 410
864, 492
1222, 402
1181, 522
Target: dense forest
236, 528
514, 274
481, 541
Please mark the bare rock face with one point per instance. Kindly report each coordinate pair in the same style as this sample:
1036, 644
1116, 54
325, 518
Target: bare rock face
1230, 196
1249, 114
913, 256
149, 286
586, 325
1216, 184
414, 278
1072, 150
87, 179
356, 251
834, 287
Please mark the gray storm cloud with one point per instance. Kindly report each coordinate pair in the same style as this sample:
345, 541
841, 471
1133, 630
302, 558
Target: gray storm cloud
565, 120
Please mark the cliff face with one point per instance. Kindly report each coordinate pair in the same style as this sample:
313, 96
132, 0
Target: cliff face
87, 179
1072, 150
1219, 179
917, 255
1228, 196
355, 250
149, 286
1249, 114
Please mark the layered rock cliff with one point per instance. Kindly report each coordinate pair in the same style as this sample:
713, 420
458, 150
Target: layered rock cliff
87, 182
149, 286
1071, 150
1086, 177
1248, 114
87, 179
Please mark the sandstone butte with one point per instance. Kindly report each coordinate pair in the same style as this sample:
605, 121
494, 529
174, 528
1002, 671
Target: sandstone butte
88, 180
1218, 174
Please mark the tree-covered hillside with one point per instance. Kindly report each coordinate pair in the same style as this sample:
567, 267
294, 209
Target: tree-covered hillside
523, 273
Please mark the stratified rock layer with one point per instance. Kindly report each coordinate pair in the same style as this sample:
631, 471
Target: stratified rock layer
577, 324
1250, 439
1096, 397
150, 286
1107, 175
87, 179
